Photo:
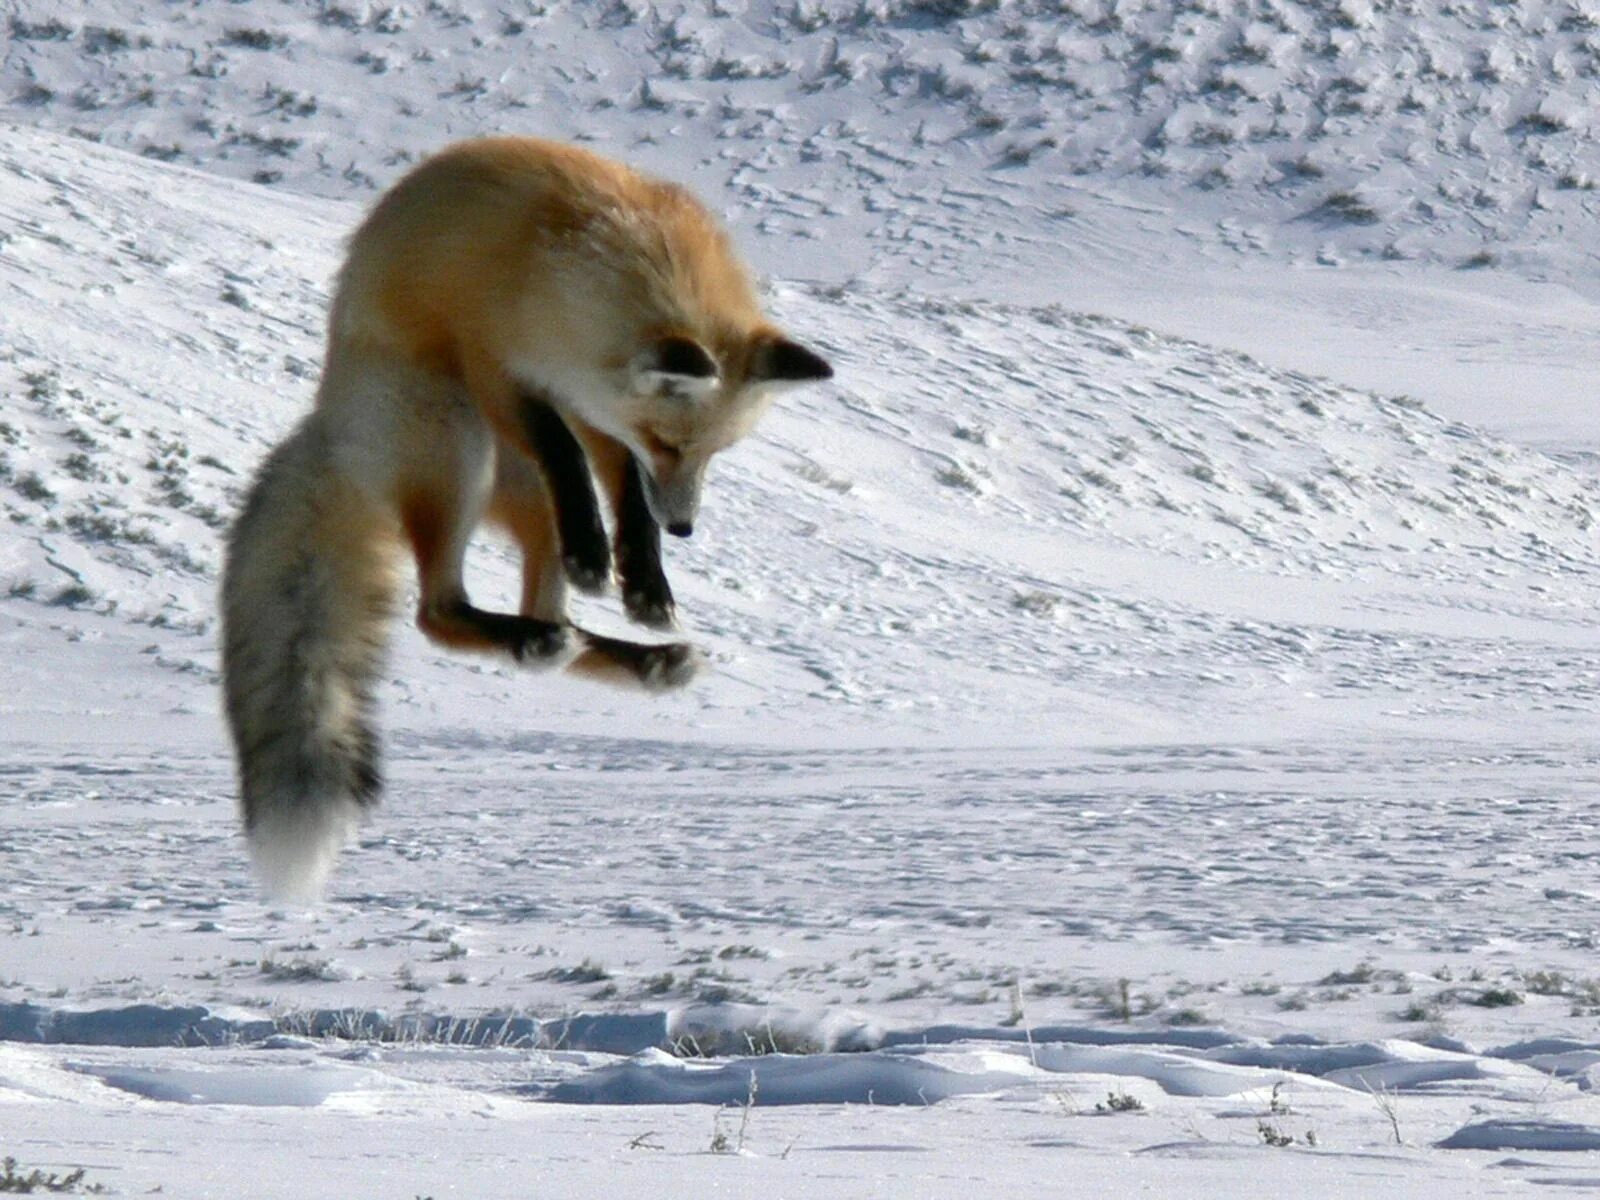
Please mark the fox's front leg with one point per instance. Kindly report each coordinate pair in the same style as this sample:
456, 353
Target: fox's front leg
646, 594
581, 533
523, 506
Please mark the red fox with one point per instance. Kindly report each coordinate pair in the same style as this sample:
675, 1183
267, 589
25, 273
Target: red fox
511, 313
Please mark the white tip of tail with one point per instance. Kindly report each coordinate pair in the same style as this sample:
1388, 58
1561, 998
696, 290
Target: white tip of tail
294, 847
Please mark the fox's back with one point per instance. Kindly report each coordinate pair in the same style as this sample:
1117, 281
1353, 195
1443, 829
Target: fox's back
520, 246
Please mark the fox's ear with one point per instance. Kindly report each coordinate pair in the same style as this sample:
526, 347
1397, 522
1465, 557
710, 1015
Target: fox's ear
782, 361
683, 356
675, 365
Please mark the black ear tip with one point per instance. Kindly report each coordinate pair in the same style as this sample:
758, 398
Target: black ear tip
684, 356
792, 361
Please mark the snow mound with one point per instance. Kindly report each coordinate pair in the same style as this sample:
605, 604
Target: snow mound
133, 1025
1510, 1134
258, 1087
898, 1077
720, 1053
1176, 1073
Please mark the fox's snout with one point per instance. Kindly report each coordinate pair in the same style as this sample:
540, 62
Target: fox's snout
674, 501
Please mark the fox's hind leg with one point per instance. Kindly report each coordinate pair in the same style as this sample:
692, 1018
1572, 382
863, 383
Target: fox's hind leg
442, 499
656, 668
521, 506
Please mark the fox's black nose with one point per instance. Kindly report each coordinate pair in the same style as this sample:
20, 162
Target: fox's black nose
681, 528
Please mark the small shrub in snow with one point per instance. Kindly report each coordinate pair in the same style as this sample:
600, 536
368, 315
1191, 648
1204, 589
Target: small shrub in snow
31, 487
301, 970
1422, 1011
406, 979
1272, 1135
1546, 983
1497, 997
451, 951
72, 596
1362, 972
588, 971
254, 39
956, 476
98, 40
1036, 603
40, 31
340, 16
1119, 1102
1349, 207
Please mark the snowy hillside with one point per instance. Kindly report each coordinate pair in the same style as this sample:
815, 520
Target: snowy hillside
1020, 504
1124, 762
1398, 196
1426, 129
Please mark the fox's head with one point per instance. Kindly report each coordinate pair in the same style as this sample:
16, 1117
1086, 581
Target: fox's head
682, 403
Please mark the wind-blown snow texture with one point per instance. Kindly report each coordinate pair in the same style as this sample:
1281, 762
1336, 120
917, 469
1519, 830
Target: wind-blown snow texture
1122, 759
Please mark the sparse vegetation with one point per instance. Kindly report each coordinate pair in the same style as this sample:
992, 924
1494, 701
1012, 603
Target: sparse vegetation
300, 970
1363, 972
74, 595
1348, 207
29, 486
1496, 997
1422, 1011
17, 1180
1272, 1134
1119, 1102
254, 39
721, 1143
588, 971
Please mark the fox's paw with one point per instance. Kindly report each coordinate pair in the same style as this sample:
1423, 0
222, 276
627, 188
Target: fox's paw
588, 570
526, 639
651, 608
538, 643
663, 668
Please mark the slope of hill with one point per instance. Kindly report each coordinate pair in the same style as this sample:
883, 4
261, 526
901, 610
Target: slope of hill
1019, 504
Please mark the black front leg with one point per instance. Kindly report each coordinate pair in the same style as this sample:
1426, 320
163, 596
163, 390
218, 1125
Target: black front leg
584, 553
645, 592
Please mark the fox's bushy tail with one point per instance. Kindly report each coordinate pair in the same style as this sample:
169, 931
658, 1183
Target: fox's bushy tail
307, 595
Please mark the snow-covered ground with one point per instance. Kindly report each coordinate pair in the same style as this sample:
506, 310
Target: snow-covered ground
1125, 763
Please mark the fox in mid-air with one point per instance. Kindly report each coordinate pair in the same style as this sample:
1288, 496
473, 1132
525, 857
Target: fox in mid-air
513, 315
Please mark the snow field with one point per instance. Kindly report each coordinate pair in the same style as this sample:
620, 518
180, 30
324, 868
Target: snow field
1124, 764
